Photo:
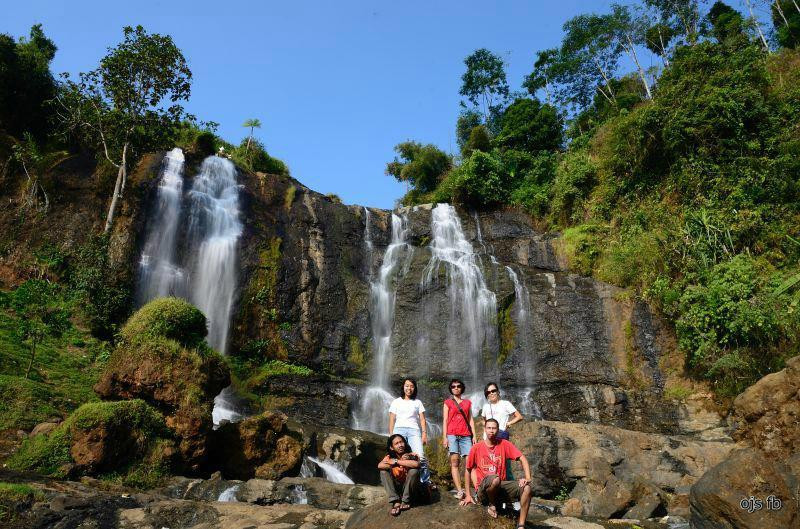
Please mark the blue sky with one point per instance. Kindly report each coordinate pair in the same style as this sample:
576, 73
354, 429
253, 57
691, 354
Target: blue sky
335, 84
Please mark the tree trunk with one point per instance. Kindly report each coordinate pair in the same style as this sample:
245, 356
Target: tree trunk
780, 11
796, 6
30, 363
639, 67
119, 186
758, 25
663, 48
612, 99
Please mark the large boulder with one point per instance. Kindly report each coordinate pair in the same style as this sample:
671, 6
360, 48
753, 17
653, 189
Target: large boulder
356, 451
613, 469
99, 438
768, 412
162, 358
260, 446
741, 493
445, 514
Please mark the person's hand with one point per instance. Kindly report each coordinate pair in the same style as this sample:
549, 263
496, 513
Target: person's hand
523, 482
424, 438
474, 440
467, 499
445, 444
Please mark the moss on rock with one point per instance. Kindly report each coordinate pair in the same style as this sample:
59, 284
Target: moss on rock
170, 318
99, 437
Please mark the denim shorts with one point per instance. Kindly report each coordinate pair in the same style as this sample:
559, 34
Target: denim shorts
459, 444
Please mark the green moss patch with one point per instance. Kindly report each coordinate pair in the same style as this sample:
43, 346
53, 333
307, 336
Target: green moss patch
50, 454
171, 318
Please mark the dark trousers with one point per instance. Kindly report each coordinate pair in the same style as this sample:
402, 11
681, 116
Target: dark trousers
395, 488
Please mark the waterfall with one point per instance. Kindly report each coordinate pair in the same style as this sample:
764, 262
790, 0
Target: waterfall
522, 299
372, 412
368, 241
203, 268
473, 310
331, 471
229, 494
160, 274
212, 237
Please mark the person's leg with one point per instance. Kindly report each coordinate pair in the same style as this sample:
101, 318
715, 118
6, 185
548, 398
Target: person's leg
408, 487
389, 486
488, 492
414, 438
511, 490
455, 463
509, 474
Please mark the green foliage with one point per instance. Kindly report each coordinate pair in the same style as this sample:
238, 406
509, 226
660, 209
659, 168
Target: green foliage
103, 295
467, 120
479, 140
422, 166
576, 174
730, 308
170, 318
484, 83
26, 84
533, 192
727, 24
252, 155
39, 314
786, 19
129, 104
480, 181
530, 126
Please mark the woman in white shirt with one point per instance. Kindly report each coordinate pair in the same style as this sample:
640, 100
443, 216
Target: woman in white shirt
407, 418
503, 412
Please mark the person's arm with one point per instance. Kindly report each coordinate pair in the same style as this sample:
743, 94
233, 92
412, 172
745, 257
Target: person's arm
526, 468
391, 422
385, 464
444, 425
472, 428
515, 418
409, 462
424, 426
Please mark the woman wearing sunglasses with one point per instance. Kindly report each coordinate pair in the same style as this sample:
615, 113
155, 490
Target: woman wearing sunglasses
500, 410
458, 430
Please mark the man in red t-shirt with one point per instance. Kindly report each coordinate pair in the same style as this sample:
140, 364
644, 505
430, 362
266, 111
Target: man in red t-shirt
486, 467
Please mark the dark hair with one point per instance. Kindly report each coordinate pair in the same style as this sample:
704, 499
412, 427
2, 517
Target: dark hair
389, 445
487, 421
486, 389
402, 391
463, 387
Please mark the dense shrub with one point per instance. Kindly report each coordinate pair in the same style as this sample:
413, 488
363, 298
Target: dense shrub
530, 126
254, 157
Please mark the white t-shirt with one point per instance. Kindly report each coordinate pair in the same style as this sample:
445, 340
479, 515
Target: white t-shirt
406, 412
501, 412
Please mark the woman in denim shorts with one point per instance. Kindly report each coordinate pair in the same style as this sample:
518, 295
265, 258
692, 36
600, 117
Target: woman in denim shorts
458, 430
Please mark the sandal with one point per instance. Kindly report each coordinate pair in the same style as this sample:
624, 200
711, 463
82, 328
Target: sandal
395, 510
433, 486
460, 495
491, 510
404, 506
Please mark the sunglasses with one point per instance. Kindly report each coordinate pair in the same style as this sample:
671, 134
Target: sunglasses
455, 386
489, 392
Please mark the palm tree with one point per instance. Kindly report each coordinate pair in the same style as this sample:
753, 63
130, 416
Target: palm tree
252, 123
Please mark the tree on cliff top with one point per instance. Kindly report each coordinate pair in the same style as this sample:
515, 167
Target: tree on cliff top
423, 166
484, 83
120, 107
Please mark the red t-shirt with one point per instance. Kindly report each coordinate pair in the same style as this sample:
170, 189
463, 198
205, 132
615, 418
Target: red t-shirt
456, 425
487, 460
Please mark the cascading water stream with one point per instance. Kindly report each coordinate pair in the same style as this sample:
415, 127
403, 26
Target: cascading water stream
212, 238
371, 413
331, 471
473, 307
206, 275
160, 274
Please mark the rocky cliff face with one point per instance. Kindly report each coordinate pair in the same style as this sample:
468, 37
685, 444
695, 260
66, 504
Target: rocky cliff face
584, 352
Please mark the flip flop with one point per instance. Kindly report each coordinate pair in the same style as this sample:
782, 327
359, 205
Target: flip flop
395, 510
404, 506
